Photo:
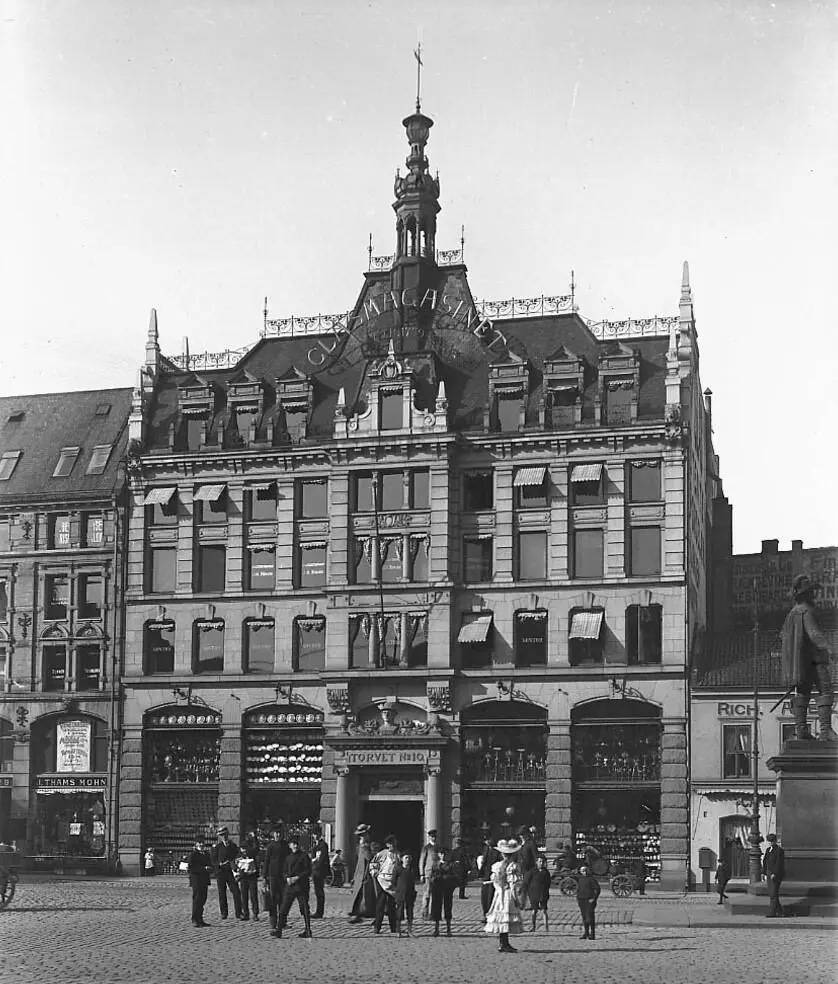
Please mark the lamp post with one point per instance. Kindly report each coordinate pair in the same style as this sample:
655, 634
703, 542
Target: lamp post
755, 837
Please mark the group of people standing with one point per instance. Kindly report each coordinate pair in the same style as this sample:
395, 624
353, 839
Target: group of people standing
287, 870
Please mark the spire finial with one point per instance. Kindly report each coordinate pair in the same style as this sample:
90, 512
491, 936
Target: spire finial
685, 280
152, 325
417, 54
369, 253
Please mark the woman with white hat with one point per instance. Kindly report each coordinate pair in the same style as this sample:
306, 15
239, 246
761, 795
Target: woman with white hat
363, 887
504, 916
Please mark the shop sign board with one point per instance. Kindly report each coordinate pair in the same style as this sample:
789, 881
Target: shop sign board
5, 782
73, 746
386, 756
732, 709
71, 784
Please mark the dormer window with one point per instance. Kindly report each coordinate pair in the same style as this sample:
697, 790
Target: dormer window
245, 399
508, 390
564, 384
391, 409
196, 404
66, 460
295, 395
619, 383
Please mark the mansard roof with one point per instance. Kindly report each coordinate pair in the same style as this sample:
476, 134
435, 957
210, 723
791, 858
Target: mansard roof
41, 425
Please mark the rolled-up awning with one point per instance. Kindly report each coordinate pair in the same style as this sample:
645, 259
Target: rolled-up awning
477, 630
530, 476
209, 493
159, 497
586, 625
586, 473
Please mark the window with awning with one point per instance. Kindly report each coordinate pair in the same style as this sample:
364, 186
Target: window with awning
160, 497
529, 476
475, 629
585, 636
586, 625
586, 484
213, 503
209, 493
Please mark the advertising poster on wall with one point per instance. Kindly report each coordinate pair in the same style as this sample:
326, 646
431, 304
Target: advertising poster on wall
73, 746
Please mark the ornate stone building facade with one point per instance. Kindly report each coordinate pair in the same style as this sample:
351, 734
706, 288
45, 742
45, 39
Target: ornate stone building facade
61, 562
430, 563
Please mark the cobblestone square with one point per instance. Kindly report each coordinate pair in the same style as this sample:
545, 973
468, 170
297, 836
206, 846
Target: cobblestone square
137, 931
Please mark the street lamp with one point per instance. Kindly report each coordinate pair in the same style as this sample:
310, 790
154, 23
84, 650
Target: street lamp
755, 837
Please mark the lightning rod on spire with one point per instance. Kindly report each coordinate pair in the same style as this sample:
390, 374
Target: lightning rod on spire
417, 54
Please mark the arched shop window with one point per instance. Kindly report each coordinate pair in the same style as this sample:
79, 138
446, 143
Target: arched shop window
69, 756
504, 753
181, 754
283, 764
616, 769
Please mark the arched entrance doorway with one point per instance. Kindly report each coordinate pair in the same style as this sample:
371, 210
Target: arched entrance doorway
504, 753
616, 791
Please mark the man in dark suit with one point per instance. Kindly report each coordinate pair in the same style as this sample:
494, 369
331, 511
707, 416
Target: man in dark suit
587, 893
199, 866
275, 857
320, 871
774, 869
491, 855
528, 857
297, 875
224, 855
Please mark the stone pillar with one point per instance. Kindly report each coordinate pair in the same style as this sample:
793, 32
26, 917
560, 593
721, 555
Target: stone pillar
235, 574
285, 545
343, 823
433, 799
504, 535
229, 779
558, 785
131, 800
675, 840
615, 532
340, 567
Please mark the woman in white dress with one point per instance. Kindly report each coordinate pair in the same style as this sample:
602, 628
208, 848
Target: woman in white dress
504, 917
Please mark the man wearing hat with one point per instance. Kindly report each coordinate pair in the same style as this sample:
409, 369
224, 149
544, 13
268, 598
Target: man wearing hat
275, 856
224, 855
384, 868
774, 869
461, 865
428, 860
806, 654
297, 876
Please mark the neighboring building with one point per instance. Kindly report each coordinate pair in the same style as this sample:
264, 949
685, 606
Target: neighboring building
722, 714
61, 482
721, 733
431, 563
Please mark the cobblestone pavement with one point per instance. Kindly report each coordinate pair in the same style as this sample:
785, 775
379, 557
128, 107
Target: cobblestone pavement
137, 931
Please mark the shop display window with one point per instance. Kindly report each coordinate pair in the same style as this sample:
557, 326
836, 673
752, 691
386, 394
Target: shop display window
70, 825
159, 646
504, 744
309, 644
617, 752
283, 747
184, 754
615, 829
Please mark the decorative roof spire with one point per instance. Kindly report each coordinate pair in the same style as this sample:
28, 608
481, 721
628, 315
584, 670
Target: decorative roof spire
418, 56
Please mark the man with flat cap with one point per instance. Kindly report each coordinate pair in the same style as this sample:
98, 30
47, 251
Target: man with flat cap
806, 654
275, 857
224, 855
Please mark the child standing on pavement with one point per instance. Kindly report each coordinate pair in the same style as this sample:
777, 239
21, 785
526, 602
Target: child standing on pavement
405, 894
149, 862
537, 885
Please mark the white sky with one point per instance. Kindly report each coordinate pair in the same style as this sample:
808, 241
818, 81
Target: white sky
195, 157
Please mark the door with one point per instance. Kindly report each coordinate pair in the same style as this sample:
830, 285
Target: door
400, 817
733, 844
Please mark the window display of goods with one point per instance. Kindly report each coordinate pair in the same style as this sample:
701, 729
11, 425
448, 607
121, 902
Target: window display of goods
621, 845
275, 757
186, 718
184, 758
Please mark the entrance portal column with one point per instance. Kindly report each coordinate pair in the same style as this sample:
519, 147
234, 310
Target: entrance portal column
343, 840
433, 802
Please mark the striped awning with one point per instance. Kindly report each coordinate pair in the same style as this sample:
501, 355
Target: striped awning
586, 473
530, 476
209, 493
477, 630
586, 625
262, 486
160, 497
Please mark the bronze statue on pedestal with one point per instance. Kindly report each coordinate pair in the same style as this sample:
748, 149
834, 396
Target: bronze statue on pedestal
806, 655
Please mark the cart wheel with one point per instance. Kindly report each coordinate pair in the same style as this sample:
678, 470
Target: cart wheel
567, 886
8, 882
621, 886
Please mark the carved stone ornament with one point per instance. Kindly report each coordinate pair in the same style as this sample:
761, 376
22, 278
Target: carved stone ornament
439, 698
389, 726
672, 423
22, 736
338, 699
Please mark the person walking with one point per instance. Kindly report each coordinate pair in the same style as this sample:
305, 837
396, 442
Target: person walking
491, 855
722, 878
247, 865
537, 886
275, 857
199, 866
384, 867
297, 876
528, 856
443, 882
404, 893
428, 860
461, 864
320, 871
224, 855
587, 893
774, 869
363, 899
504, 917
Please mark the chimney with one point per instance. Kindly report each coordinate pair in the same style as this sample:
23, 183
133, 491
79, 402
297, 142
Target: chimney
796, 557
770, 546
